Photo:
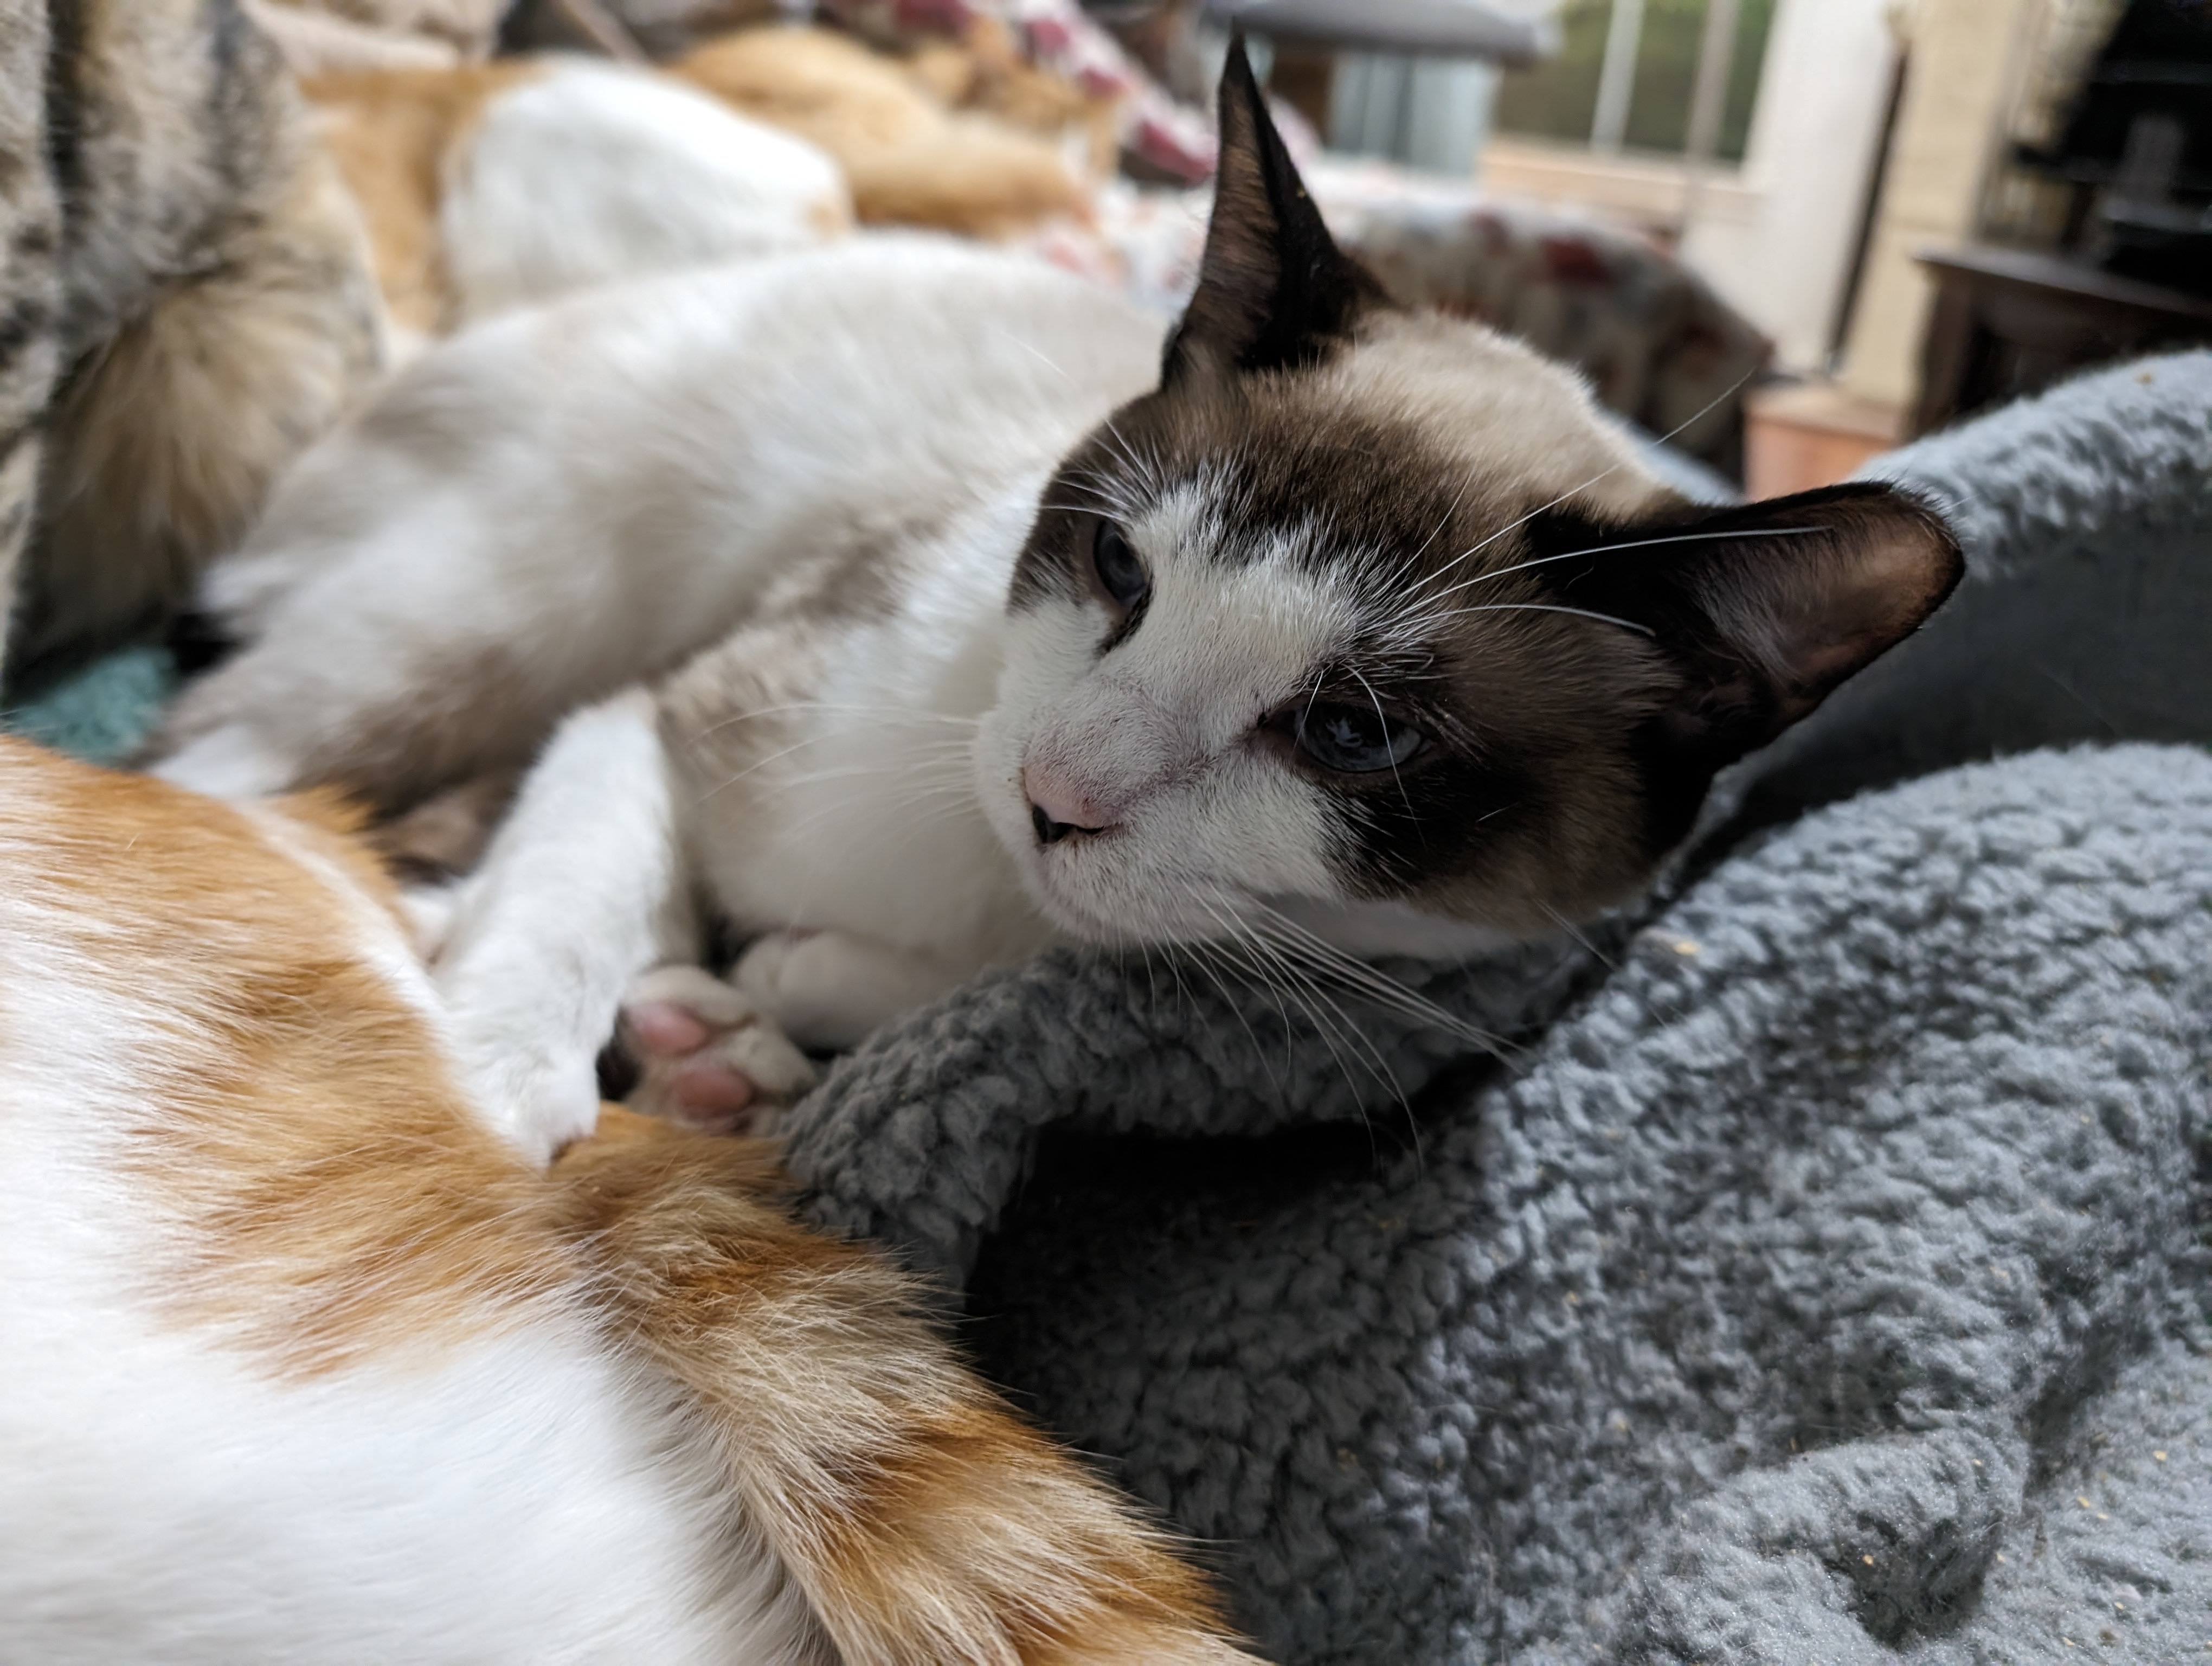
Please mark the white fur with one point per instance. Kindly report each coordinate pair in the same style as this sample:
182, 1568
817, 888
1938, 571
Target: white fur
1160, 732
607, 484
511, 1495
603, 488
586, 857
484, 501
865, 825
595, 172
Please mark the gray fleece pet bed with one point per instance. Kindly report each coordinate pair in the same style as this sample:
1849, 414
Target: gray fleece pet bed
1821, 1276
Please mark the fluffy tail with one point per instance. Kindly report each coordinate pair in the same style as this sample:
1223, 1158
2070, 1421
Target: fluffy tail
922, 1522
164, 446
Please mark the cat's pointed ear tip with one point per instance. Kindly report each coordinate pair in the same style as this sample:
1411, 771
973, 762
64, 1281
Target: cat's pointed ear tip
1919, 520
1240, 85
1897, 516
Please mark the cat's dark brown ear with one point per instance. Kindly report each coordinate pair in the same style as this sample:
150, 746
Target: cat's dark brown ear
1769, 608
1274, 292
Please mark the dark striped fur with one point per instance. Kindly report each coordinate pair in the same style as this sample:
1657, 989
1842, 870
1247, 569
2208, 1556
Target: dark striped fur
184, 302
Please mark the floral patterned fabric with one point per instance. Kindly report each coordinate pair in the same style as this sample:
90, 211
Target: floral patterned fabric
1170, 137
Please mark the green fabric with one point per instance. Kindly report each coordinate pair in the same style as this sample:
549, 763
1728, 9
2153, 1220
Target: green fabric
100, 711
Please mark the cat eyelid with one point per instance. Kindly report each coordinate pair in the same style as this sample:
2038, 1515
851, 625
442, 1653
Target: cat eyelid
1117, 576
1326, 692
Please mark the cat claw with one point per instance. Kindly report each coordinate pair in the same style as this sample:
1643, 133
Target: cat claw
708, 1058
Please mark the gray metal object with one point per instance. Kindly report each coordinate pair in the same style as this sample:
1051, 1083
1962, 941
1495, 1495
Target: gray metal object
1454, 28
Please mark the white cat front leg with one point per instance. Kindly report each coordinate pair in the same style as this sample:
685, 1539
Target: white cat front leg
578, 894
829, 989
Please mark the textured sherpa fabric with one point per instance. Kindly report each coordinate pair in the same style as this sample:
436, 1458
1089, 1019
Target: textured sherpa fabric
1819, 1275
1754, 1315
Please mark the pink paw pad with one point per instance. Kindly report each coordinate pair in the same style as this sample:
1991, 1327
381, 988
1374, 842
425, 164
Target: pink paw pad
663, 1027
707, 1060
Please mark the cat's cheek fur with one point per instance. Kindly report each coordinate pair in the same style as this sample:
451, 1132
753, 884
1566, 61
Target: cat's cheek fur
1211, 822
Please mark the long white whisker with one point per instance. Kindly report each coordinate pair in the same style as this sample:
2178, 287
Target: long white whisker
1360, 977
1001, 331
1142, 468
913, 798
1548, 607
1328, 1030
952, 762
1203, 962
1427, 598
1281, 1011
1575, 935
1340, 1021
761, 763
1385, 722
1337, 1021
1250, 933
1728, 392
1458, 498
894, 715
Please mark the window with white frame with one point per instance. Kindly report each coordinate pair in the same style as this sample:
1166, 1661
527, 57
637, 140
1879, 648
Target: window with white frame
1676, 77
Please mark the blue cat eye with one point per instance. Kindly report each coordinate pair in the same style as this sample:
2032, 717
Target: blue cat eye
1121, 574
1355, 741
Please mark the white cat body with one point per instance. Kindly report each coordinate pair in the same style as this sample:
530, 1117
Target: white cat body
598, 489
977, 617
735, 438
590, 173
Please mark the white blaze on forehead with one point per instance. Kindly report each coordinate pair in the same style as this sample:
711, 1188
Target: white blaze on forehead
1239, 622
1158, 731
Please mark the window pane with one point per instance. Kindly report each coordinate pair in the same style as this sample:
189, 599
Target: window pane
1751, 27
1665, 70
1557, 99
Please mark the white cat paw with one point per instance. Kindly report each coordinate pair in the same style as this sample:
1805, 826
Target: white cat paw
829, 989
550, 1102
706, 1057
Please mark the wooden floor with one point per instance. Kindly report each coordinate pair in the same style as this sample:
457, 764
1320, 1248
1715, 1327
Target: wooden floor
1803, 434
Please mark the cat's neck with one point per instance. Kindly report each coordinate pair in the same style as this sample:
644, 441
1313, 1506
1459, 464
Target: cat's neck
836, 791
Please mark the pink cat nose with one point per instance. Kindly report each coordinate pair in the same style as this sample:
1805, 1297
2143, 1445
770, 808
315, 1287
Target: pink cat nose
1057, 809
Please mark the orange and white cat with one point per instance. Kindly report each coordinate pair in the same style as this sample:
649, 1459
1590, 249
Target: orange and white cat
307, 1353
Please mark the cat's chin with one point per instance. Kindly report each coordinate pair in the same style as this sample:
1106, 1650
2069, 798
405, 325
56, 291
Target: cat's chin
1112, 923
1137, 929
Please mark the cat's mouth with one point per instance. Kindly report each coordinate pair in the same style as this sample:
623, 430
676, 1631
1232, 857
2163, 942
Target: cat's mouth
1095, 888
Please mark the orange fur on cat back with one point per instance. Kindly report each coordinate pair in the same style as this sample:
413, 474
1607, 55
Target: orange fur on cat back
224, 996
985, 71
391, 131
910, 159
298, 1112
